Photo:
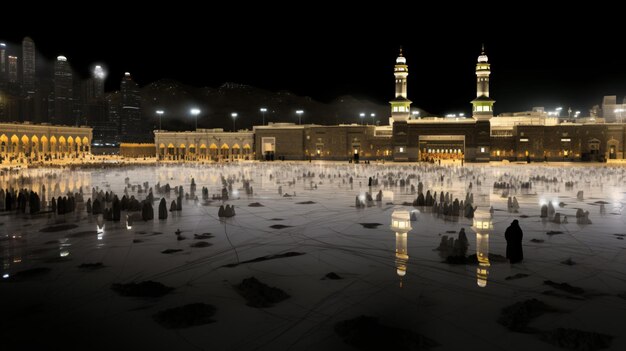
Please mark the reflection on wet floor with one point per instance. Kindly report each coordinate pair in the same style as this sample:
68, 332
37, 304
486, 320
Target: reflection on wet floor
483, 225
401, 225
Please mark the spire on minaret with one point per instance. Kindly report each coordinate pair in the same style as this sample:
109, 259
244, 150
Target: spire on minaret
483, 50
401, 50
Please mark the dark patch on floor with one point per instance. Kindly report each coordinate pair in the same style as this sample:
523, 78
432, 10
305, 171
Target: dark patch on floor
367, 333
258, 294
143, 289
516, 276
91, 266
185, 316
574, 339
517, 316
58, 228
565, 287
332, 276
170, 251
280, 226
256, 204
265, 258
538, 241
200, 244
370, 225
305, 203
202, 236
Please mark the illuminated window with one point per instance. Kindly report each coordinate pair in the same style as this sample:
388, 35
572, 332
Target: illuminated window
566, 139
523, 140
482, 149
401, 149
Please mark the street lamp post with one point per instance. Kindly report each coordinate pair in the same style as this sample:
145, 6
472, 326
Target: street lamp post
415, 113
299, 113
263, 110
373, 115
195, 112
362, 115
160, 114
234, 116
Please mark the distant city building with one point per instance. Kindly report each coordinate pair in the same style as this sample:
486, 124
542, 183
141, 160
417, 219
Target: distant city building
28, 65
113, 116
98, 82
612, 111
63, 93
12, 69
3, 63
130, 117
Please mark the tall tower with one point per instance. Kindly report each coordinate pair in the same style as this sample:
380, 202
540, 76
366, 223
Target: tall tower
12, 69
483, 104
63, 92
98, 82
28, 65
130, 117
400, 105
3, 62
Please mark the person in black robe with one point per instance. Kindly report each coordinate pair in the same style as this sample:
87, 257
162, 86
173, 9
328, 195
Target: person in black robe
513, 236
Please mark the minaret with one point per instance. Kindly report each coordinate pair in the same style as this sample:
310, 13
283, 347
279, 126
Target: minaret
400, 105
483, 104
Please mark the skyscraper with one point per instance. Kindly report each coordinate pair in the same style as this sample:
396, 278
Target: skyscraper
130, 121
63, 92
98, 82
12, 69
28, 65
3, 62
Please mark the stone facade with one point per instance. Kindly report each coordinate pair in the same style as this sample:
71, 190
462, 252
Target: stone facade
40, 142
340, 142
135, 150
204, 144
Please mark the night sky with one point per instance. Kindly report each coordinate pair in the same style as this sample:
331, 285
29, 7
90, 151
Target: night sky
538, 58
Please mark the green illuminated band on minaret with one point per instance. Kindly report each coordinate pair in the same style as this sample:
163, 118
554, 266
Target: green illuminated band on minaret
483, 104
400, 105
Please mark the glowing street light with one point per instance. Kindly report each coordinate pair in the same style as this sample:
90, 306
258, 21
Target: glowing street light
415, 113
195, 112
160, 113
362, 115
299, 113
373, 115
263, 110
234, 116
